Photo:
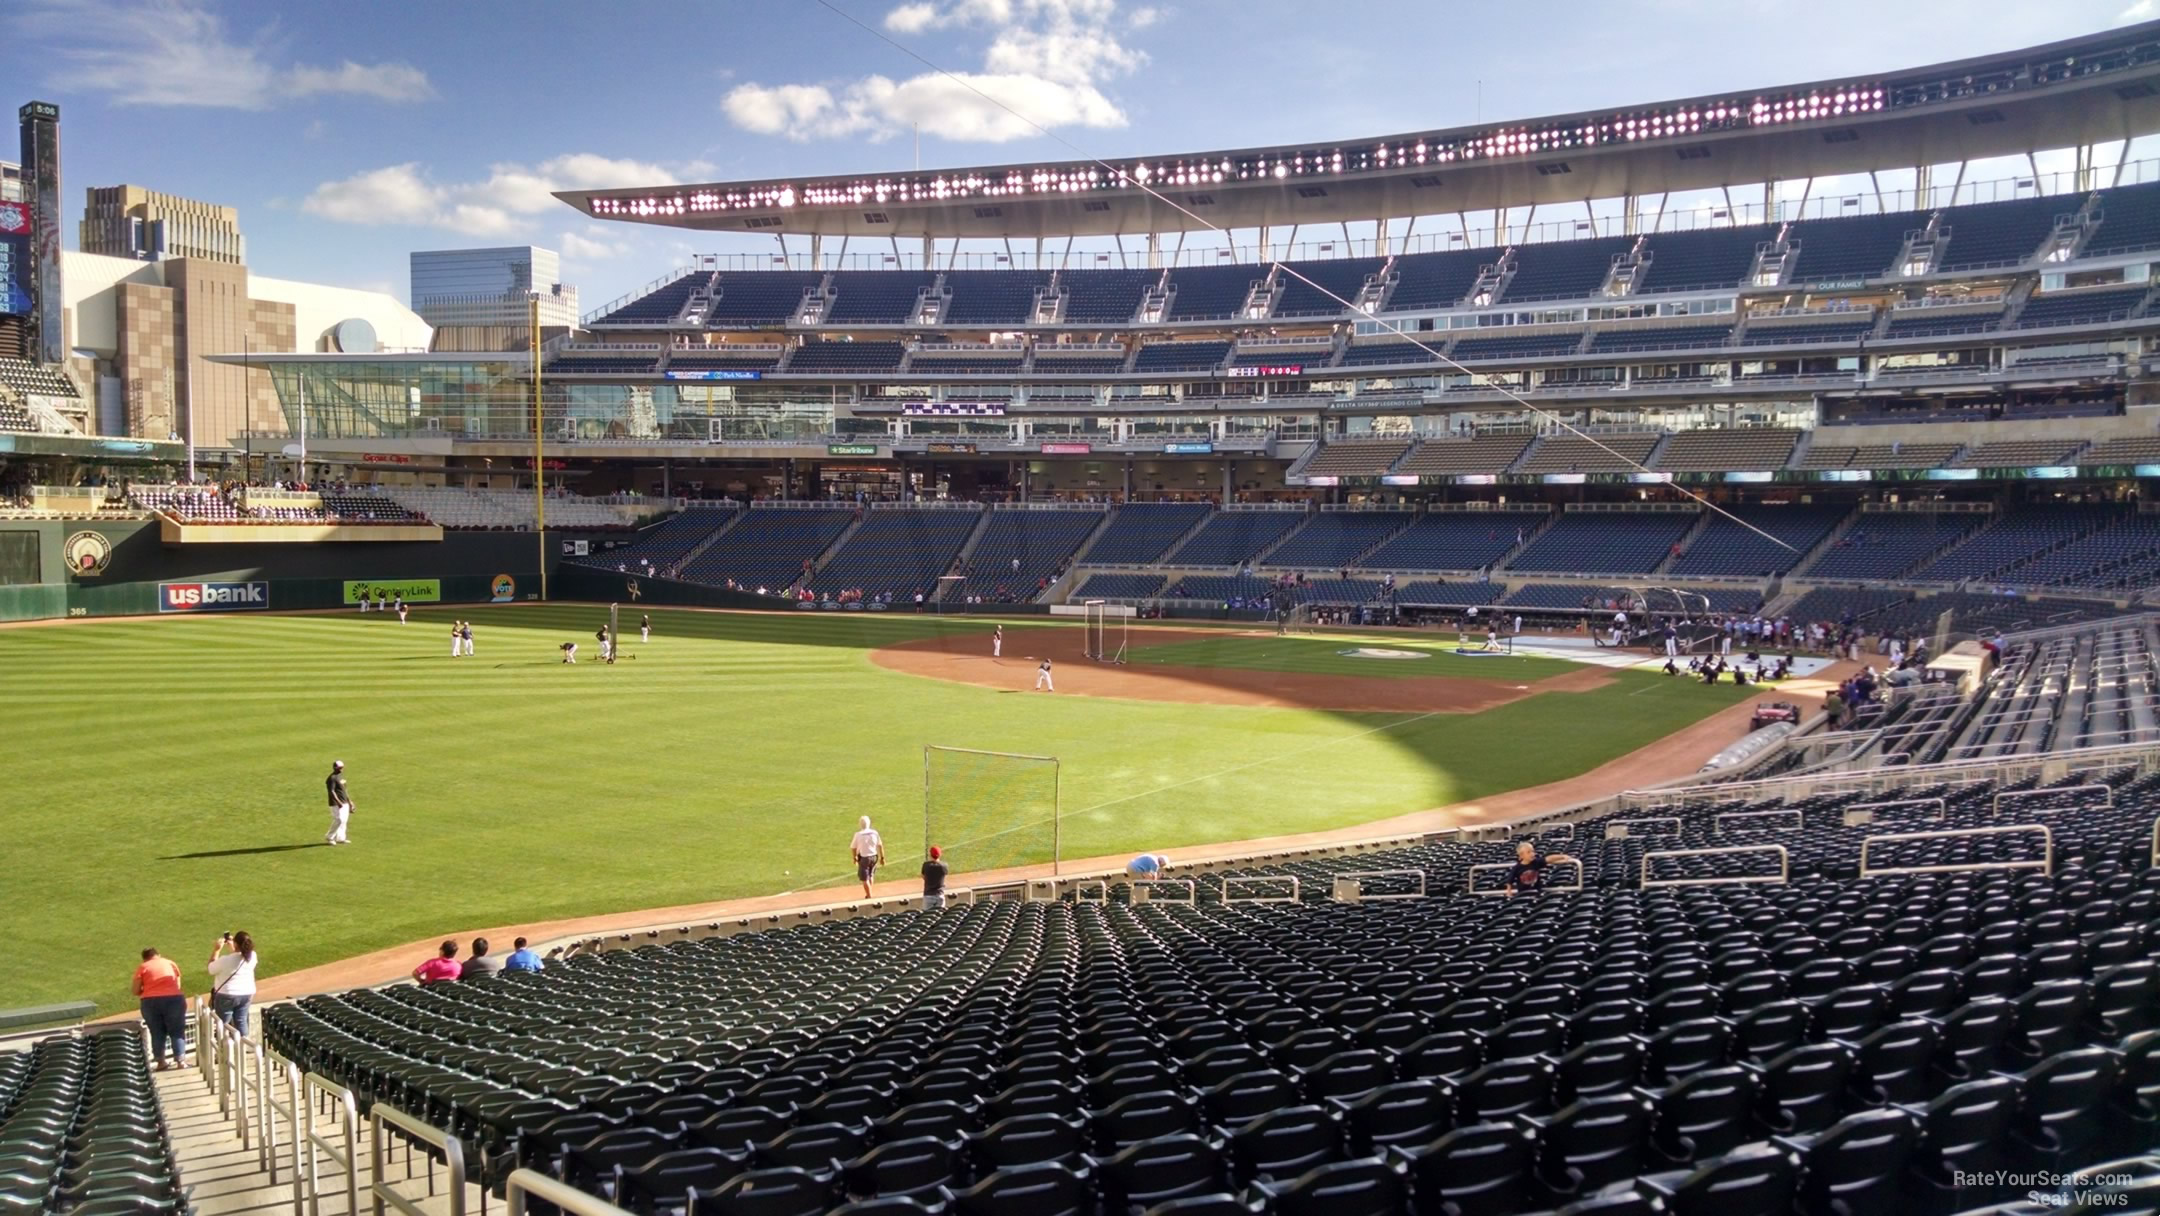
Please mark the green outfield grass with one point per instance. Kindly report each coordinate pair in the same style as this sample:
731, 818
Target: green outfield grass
161, 780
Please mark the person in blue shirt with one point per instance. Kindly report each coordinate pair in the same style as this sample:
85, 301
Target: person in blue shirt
1147, 867
522, 959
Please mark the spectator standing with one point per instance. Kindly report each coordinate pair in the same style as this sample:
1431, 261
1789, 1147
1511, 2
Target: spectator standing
522, 958
164, 1006
867, 850
933, 880
232, 979
443, 967
479, 963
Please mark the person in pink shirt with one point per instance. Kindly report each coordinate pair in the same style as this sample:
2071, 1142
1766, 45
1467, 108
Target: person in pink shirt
444, 966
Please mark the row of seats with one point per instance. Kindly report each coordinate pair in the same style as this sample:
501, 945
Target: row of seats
1969, 237
81, 1130
1831, 1044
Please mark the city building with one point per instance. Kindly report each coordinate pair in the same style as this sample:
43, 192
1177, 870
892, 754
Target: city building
150, 226
11, 182
142, 332
481, 299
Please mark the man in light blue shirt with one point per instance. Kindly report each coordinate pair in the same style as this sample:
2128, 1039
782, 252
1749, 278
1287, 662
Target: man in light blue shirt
522, 959
1147, 867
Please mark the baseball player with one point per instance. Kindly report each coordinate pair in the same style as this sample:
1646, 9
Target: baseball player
644, 629
340, 803
1043, 682
465, 637
997, 642
457, 639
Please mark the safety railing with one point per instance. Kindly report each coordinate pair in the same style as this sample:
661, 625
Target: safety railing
2045, 863
1621, 829
2107, 798
1792, 821
1100, 887
1351, 887
1784, 860
523, 1183
343, 1152
271, 1068
1163, 891
1260, 889
1470, 877
1863, 813
383, 1117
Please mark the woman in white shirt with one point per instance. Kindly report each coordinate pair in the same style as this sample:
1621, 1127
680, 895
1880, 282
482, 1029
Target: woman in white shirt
232, 979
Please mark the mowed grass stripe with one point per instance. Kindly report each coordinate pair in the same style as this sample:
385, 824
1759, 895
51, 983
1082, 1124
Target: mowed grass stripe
160, 774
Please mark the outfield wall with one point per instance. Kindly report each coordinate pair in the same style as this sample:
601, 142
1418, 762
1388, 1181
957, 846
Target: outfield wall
37, 583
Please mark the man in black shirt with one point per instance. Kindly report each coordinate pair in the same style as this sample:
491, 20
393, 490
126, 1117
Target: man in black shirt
1529, 871
933, 880
340, 802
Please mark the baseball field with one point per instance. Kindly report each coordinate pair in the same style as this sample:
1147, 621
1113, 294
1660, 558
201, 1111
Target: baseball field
161, 780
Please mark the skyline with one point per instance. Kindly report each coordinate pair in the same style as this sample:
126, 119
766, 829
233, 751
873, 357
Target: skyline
351, 139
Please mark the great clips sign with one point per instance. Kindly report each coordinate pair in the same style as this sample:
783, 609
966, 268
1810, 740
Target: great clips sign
212, 597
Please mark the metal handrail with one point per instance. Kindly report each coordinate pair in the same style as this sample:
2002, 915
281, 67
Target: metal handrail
1717, 822
1861, 813
570, 1199
1359, 877
381, 1116
1152, 892
312, 1084
1261, 899
2046, 864
1783, 875
2107, 790
1625, 824
268, 1109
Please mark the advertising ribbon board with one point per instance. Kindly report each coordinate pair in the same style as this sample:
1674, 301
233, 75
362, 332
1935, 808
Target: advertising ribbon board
414, 590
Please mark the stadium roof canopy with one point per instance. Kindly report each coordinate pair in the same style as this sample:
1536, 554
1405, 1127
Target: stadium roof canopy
2089, 90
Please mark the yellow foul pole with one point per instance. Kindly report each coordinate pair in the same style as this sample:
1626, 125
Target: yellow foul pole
539, 472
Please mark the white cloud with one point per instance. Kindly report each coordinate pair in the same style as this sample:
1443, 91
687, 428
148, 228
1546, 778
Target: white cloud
2140, 10
175, 53
1045, 64
500, 205
577, 245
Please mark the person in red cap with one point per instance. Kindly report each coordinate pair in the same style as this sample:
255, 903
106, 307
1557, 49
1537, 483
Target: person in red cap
933, 880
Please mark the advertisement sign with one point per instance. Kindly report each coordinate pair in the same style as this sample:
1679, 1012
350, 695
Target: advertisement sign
1951, 475
1188, 449
1323, 479
87, 553
1067, 449
1564, 479
851, 449
2145, 470
1400, 479
1648, 479
503, 589
1477, 479
414, 590
1750, 476
14, 258
212, 597
951, 449
1259, 371
1848, 475
713, 373
2052, 471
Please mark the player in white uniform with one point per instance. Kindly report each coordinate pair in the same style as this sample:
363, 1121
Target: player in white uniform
340, 803
465, 637
457, 640
1043, 682
644, 631
997, 642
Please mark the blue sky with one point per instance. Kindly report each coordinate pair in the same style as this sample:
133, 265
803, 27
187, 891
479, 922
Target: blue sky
349, 135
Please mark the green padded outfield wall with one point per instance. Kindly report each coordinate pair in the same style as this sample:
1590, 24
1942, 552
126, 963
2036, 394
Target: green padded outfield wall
472, 567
